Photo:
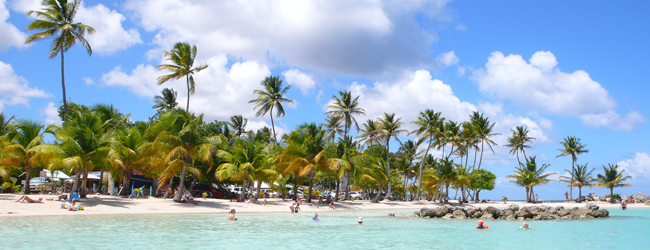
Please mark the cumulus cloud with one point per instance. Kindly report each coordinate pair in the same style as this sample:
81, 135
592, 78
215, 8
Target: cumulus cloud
539, 85
141, 81
110, 35
51, 114
11, 36
357, 38
637, 167
15, 89
448, 58
303, 81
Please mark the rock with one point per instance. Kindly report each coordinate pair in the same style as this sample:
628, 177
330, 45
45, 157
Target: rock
493, 211
477, 214
545, 216
413, 215
426, 212
581, 214
471, 211
524, 213
448, 216
505, 212
536, 210
592, 194
459, 214
596, 198
441, 211
575, 208
563, 212
599, 213
554, 209
602, 197
647, 203
513, 207
592, 206
391, 214
510, 217
487, 216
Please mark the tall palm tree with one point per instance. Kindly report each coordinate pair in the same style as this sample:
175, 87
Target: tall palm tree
333, 127
182, 57
580, 177
238, 124
346, 107
529, 175
166, 100
369, 133
272, 96
612, 178
406, 155
27, 148
390, 127
573, 147
56, 19
485, 130
242, 161
427, 123
517, 141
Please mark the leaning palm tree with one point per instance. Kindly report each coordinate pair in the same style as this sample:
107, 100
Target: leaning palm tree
126, 154
182, 57
56, 19
369, 133
427, 124
485, 130
580, 177
271, 97
166, 100
346, 107
333, 127
390, 127
517, 141
238, 124
611, 179
572, 146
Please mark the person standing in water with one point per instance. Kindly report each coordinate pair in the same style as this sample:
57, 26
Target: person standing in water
624, 205
526, 226
481, 226
315, 218
232, 215
360, 221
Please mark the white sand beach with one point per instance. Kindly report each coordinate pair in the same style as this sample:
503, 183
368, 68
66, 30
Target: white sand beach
96, 204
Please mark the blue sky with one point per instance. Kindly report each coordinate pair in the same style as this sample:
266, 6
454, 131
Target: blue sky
560, 68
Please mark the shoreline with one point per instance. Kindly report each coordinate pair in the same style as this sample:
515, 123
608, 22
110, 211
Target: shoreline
116, 205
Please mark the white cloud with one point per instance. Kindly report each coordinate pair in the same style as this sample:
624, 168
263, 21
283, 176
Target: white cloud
303, 81
448, 58
15, 90
348, 37
461, 70
110, 35
542, 87
51, 114
11, 36
141, 81
637, 167
87, 80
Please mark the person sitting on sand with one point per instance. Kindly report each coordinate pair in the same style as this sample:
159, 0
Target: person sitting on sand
332, 205
252, 200
624, 205
360, 221
25, 199
231, 215
73, 206
526, 226
481, 226
315, 218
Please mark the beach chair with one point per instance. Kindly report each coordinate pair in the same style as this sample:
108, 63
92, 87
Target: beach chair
74, 197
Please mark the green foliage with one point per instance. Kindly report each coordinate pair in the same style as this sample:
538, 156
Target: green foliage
482, 180
72, 109
11, 184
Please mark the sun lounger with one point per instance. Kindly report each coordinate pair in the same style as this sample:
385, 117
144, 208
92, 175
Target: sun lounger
74, 197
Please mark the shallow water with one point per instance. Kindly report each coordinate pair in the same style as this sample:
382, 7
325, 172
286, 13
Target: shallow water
337, 230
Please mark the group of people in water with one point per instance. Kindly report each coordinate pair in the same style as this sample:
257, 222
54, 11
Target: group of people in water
481, 225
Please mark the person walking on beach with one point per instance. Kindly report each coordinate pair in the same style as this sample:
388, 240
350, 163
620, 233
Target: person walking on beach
566, 194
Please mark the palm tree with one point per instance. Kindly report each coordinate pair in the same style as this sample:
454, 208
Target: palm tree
126, 154
611, 179
166, 100
580, 177
376, 172
243, 160
573, 147
6, 124
27, 148
346, 107
406, 155
427, 124
529, 175
369, 133
182, 57
517, 141
271, 97
238, 124
182, 138
484, 129
446, 172
56, 19
390, 127
333, 127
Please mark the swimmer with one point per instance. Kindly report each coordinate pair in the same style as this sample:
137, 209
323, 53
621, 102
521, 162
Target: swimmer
624, 205
526, 226
232, 215
315, 218
360, 221
481, 226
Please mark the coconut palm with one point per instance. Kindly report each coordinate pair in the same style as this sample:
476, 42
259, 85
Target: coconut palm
333, 127
272, 96
182, 57
6, 124
427, 123
347, 107
390, 127
377, 173
580, 177
166, 100
238, 124
26, 148
369, 133
56, 20
529, 175
612, 178
484, 129
126, 154
406, 155
573, 147
517, 141
445, 170
243, 160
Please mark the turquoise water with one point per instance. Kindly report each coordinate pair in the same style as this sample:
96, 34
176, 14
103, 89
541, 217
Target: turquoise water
337, 230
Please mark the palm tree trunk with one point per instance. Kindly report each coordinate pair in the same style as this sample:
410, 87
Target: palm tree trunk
259, 189
101, 180
571, 187
26, 186
187, 78
295, 183
475, 153
181, 185
126, 179
389, 189
84, 183
338, 189
518, 161
311, 183
273, 126
77, 181
527, 195
579, 194
420, 170
242, 196
379, 190
481, 160
611, 195
65, 102
347, 187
